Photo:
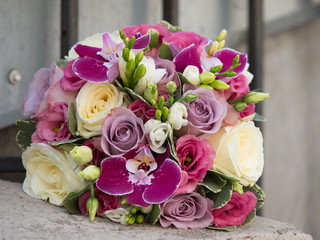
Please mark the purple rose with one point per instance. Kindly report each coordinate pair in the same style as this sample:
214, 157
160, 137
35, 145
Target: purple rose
206, 113
187, 210
121, 132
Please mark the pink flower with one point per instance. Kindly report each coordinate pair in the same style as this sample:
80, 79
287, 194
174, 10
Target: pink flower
238, 87
248, 111
196, 157
52, 124
142, 110
187, 210
70, 81
106, 202
236, 210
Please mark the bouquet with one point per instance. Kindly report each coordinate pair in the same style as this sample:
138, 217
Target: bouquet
146, 124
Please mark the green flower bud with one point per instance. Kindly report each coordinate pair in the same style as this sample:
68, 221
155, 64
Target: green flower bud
126, 54
154, 38
161, 102
216, 69
255, 97
131, 42
240, 106
130, 69
132, 219
237, 187
124, 201
140, 219
191, 97
207, 77
206, 86
220, 85
81, 155
123, 36
158, 114
165, 113
221, 44
139, 57
165, 52
222, 35
92, 206
90, 173
213, 47
236, 60
230, 74
147, 210
151, 93
139, 73
171, 87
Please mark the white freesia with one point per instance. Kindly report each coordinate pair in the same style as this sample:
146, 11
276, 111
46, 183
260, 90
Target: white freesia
94, 102
191, 73
117, 215
239, 152
152, 76
123, 65
247, 74
50, 173
178, 115
158, 133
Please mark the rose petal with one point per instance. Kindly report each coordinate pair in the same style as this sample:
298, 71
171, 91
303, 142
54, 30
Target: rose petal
90, 69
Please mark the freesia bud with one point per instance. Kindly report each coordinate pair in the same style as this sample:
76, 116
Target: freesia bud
191, 97
132, 220
207, 77
151, 93
220, 85
240, 106
90, 173
216, 69
139, 57
92, 206
130, 69
191, 73
222, 35
139, 73
171, 87
255, 97
221, 44
81, 155
213, 47
122, 68
147, 210
131, 42
206, 86
140, 219
126, 54
158, 114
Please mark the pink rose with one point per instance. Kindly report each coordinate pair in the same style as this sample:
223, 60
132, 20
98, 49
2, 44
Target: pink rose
196, 157
70, 81
236, 210
106, 202
52, 124
142, 110
238, 87
248, 111
187, 210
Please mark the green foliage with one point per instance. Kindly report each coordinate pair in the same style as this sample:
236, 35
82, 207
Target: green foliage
227, 229
134, 96
71, 201
75, 140
154, 215
170, 27
25, 131
172, 147
223, 197
213, 182
258, 192
72, 121
258, 118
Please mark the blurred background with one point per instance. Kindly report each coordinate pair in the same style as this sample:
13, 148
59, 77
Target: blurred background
284, 47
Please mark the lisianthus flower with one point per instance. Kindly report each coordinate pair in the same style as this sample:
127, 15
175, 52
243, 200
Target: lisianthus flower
142, 110
236, 210
206, 113
70, 81
105, 202
196, 158
186, 210
140, 179
238, 87
121, 131
52, 124
248, 111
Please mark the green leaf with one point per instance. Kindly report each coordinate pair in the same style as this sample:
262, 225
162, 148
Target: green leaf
227, 229
154, 38
165, 52
213, 182
170, 27
250, 217
75, 140
62, 62
225, 177
257, 117
135, 96
258, 192
178, 93
183, 79
25, 131
71, 201
154, 215
222, 198
202, 191
172, 147
72, 121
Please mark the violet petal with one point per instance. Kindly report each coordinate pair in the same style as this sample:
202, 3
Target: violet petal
142, 42
114, 178
87, 51
135, 197
90, 69
188, 56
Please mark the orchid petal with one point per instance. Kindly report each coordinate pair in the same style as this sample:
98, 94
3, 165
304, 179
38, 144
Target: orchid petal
226, 56
188, 56
135, 197
109, 45
113, 73
90, 69
174, 48
142, 42
87, 51
208, 62
114, 178
164, 184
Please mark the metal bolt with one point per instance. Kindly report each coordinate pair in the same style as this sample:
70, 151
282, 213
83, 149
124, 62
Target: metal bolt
14, 76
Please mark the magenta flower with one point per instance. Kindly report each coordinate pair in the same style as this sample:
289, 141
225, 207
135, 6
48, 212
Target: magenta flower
70, 81
121, 132
105, 202
141, 179
52, 124
196, 158
187, 210
238, 87
188, 56
236, 210
248, 111
142, 110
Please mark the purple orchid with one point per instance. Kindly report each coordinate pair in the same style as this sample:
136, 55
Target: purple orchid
188, 56
142, 179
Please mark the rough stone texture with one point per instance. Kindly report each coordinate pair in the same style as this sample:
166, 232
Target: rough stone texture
23, 217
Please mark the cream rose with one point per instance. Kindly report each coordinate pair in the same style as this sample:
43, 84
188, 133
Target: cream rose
239, 152
158, 133
50, 173
94, 102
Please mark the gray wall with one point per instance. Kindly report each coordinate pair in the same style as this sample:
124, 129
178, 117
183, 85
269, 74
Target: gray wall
29, 39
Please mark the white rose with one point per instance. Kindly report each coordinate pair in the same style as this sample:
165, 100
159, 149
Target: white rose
158, 133
191, 73
178, 115
94, 102
117, 215
239, 152
50, 173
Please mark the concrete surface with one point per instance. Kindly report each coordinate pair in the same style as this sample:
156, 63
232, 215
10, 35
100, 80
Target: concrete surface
23, 217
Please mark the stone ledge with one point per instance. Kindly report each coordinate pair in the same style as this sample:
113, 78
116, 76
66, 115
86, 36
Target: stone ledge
23, 217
